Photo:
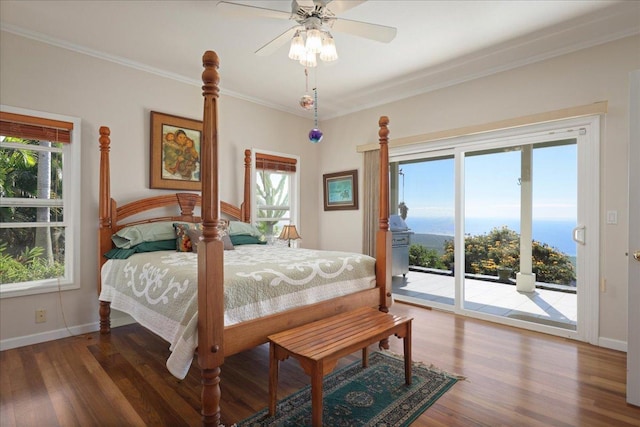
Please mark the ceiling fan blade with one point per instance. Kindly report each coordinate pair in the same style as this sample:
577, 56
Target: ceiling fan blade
248, 11
377, 32
339, 6
276, 43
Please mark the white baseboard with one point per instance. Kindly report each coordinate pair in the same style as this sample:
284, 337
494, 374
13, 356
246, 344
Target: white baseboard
16, 342
612, 344
57, 334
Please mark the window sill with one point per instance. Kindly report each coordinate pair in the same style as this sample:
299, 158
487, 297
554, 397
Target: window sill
11, 290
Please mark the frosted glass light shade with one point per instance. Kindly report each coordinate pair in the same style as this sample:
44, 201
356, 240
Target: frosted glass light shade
309, 60
297, 49
328, 52
314, 41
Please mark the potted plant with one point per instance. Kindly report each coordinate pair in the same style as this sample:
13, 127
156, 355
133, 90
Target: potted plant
504, 273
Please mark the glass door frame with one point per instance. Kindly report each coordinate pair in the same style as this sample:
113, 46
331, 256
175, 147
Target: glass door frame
586, 130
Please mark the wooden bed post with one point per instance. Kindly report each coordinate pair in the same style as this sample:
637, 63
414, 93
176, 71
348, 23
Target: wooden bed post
104, 227
383, 236
246, 205
210, 252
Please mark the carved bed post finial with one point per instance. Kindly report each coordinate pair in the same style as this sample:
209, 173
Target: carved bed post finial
209, 149
210, 251
246, 205
104, 221
383, 236
383, 134
104, 204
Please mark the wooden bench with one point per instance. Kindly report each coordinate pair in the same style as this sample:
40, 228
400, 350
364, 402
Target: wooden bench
319, 345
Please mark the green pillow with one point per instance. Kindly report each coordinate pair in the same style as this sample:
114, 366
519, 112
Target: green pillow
243, 228
131, 236
244, 239
160, 245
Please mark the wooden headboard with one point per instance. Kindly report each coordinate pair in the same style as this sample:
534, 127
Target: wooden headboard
113, 217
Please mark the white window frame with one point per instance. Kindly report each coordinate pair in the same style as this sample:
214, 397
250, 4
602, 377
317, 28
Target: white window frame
294, 189
71, 198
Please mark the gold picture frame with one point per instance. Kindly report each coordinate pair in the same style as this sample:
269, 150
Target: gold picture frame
340, 190
175, 152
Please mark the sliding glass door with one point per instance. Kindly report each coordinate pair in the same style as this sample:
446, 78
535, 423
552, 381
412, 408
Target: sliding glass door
426, 201
505, 225
520, 212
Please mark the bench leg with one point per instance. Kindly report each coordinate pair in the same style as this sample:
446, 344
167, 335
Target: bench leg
365, 357
273, 380
407, 354
316, 395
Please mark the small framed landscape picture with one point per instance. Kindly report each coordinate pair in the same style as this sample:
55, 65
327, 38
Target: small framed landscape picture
175, 152
341, 190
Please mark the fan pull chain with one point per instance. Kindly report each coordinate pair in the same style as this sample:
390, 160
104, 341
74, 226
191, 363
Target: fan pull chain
315, 134
306, 102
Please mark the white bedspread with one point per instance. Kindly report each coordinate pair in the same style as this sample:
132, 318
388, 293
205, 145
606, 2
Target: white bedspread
159, 289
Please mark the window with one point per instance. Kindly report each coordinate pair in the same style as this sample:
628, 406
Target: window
276, 198
39, 201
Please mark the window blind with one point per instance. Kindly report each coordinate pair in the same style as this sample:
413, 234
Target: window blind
35, 128
276, 163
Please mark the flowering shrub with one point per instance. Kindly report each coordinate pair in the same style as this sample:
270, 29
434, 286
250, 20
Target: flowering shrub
501, 248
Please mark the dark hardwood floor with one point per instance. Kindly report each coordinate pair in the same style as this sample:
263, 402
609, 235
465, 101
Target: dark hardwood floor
514, 378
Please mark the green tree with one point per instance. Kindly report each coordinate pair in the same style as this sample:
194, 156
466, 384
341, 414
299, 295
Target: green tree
272, 191
501, 248
17, 179
422, 256
26, 173
43, 190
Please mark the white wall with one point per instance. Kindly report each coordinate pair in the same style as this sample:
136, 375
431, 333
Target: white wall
41, 77
587, 76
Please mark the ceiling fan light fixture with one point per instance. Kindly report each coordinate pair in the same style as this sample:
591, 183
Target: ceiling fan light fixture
328, 52
314, 40
297, 49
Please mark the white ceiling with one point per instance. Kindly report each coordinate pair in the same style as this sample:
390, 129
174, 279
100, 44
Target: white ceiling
438, 43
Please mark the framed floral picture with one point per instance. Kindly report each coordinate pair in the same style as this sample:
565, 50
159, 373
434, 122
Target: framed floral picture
175, 152
340, 190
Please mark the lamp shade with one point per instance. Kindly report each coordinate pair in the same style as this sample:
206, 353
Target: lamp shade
289, 232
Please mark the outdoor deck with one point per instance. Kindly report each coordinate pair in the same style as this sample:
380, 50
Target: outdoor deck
550, 307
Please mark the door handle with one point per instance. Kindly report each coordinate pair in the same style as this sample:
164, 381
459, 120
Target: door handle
636, 255
578, 234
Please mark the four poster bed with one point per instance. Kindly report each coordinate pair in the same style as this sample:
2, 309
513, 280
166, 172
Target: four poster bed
216, 328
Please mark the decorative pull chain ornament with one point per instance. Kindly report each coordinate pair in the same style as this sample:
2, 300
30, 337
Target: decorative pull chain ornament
315, 134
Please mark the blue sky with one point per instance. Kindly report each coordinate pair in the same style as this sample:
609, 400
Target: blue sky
491, 185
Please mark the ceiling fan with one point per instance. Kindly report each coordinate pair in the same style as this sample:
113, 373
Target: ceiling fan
311, 15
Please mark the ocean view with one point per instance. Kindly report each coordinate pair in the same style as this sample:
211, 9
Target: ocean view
555, 233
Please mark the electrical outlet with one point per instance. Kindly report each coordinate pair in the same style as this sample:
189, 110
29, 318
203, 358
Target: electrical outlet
41, 316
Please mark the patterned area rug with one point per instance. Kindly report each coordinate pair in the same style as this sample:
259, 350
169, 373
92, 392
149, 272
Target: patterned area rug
353, 396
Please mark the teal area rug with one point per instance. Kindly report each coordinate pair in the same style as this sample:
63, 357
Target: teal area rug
353, 396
